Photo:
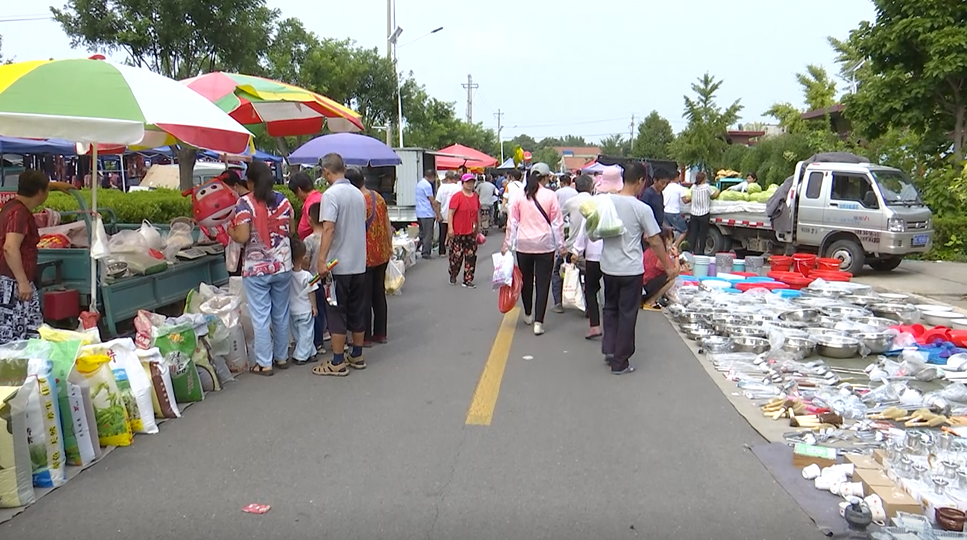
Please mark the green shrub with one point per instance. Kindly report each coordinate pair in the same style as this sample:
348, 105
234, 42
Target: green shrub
949, 240
158, 206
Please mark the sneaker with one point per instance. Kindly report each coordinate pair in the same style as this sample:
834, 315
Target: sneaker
625, 371
330, 370
356, 362
326, 336
528, 319
558, 308
538, 329
469, 285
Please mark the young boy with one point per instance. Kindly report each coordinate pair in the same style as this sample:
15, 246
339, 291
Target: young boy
320, 328
302, 305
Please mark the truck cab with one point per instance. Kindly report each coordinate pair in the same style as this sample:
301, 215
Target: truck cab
861, 214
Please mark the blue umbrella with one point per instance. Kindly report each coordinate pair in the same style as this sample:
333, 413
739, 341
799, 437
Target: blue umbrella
355, 149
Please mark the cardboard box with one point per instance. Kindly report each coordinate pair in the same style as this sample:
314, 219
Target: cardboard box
880, 456
871, 478
804, 455
862, 461
896, 500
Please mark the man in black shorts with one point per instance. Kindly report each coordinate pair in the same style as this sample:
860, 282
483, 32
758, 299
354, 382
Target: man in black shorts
343, 217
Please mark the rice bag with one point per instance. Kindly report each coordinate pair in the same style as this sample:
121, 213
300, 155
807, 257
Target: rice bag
133, 383
177, 345
162, 391
110, 414
86, 337
16, 483
48, 468
76, 433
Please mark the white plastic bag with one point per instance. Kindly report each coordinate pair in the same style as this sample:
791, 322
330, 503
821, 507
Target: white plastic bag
233, 254
503, 269
151, 235
572, 295
394, 277
604, 222
99, 239
127, 241
179, 238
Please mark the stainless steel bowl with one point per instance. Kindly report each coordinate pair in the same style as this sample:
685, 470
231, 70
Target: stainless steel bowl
675, 311
800, 315
723, 326
817, 331
903, 313
717, 344
876, 322
697, 333
751, 344
692, 317
837, 346
794, 325
746, 331
822, 293
845, 311
876, 342
802, 347
718, 313
861, 299
689, 327
828, 322
814, 301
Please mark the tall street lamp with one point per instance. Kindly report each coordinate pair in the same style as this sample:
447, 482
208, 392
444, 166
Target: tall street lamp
393, 42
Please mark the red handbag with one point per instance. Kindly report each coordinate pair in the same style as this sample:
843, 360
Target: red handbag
508, 296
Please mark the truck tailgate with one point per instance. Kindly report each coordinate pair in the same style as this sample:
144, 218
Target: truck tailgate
753, 220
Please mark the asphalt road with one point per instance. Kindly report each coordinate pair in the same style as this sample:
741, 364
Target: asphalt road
570, 451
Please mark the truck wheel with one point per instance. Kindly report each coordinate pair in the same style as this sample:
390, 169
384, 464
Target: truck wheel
717, 242
851, 255
885, 265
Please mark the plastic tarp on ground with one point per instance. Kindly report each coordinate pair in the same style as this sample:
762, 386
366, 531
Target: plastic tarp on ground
472, 159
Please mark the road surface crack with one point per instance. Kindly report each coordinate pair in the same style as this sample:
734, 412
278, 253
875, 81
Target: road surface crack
446, 485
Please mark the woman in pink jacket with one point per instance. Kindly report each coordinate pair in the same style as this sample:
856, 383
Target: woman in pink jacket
535, 231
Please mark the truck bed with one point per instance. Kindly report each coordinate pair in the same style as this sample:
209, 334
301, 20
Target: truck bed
738, 214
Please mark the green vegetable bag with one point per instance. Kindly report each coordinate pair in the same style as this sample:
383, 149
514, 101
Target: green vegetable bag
177, 344
113, 425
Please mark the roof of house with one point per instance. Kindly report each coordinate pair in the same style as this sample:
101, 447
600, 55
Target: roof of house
819, 113
576, 162
578, 151
745, 133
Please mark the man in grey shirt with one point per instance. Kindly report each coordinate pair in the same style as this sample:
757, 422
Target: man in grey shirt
622, 263
343, 217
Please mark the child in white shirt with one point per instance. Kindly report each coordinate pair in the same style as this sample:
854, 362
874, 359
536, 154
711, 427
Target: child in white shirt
302, 306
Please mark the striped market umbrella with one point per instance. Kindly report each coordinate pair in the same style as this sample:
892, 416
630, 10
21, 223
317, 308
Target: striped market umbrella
94, 102
285, 110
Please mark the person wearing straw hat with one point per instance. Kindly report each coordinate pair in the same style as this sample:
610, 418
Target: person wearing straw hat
20, 314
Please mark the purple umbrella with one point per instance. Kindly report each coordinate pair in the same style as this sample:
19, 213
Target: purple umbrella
354, 148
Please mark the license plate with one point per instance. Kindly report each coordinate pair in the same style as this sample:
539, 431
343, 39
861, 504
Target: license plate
921, 240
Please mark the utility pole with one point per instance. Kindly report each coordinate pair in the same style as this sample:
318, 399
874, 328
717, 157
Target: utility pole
389, 56
500, 127
631, 140
470, 86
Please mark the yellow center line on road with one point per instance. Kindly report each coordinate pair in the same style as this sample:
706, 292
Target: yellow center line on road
484, 401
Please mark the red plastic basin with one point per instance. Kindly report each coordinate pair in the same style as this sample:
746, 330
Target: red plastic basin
828, 264
780, 263
768, 285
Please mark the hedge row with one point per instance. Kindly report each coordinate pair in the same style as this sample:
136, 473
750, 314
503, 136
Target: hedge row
159, 206
950, 239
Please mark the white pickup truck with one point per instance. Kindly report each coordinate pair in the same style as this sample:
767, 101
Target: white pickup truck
859, 213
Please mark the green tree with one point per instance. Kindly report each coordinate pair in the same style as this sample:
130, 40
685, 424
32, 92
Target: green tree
567, 140
176, 38
431, 123
547, 154
2, 60
788, 116
654, 139
702, 143
615, 145
818, 89
916, 52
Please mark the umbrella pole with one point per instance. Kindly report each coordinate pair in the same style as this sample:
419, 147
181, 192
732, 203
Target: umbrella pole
94, 263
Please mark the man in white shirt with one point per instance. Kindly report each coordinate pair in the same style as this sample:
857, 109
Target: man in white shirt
565, 192
447, 189
487, 193
672, 196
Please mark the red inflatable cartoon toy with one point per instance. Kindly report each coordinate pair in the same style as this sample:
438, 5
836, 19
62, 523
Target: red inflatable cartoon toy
213, 206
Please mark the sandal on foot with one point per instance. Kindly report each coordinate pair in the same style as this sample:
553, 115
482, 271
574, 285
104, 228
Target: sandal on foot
299, 362
262, 370
281, 364
328, 369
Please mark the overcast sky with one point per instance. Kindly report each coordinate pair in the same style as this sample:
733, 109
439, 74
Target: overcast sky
581, 68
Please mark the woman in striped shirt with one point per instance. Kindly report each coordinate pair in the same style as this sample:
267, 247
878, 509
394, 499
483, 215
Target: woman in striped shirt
701, 203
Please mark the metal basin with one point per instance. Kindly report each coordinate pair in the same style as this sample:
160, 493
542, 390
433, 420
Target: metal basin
876, 342
845, 311
717, 344
903, 313
800, 315
692, 317
818, 331
828, 322
800, 346
837, 346
751, 344
793, 325
876, 322
822, 293
675, 311
723, 326
861, 299
815, 301
746, 331
691, 327
698, 333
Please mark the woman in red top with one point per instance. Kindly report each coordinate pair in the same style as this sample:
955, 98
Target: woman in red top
379, 250
464, 223
656, 282
20, 315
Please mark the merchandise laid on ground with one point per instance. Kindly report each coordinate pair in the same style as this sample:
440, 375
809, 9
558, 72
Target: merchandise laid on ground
861, 394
